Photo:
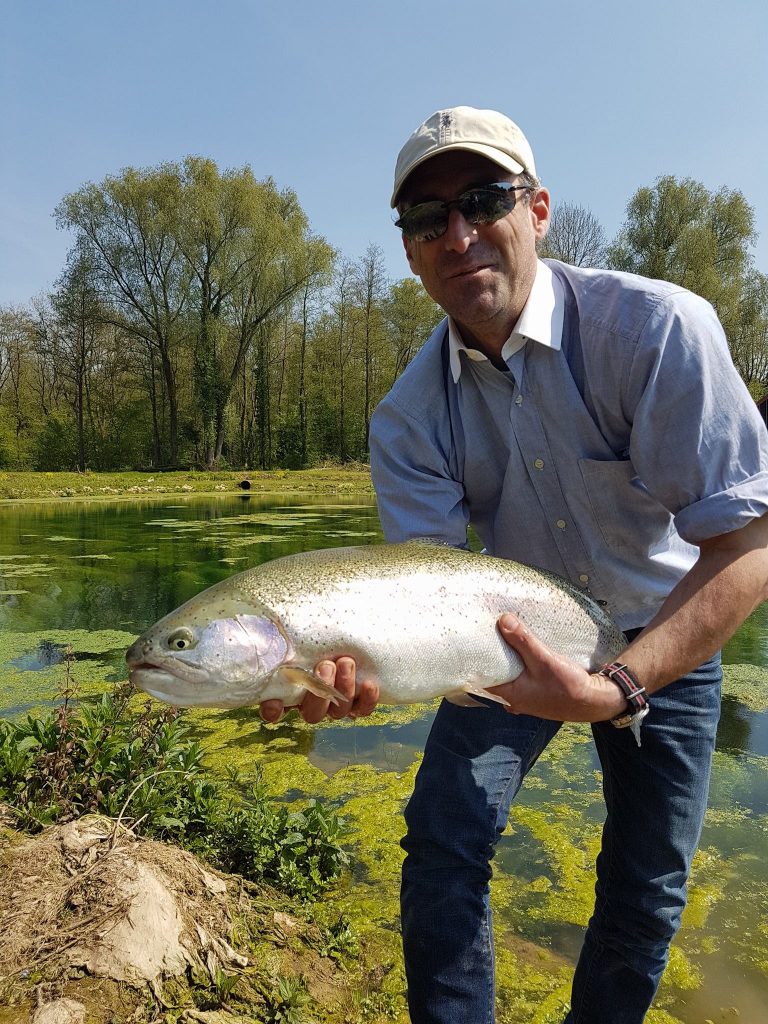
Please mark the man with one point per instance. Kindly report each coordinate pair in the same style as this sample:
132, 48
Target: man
592, 424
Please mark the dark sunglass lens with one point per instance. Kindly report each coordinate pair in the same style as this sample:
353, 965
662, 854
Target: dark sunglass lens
486, 205
424, 222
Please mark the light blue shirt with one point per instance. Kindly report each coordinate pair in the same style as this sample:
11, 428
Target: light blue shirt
619, 438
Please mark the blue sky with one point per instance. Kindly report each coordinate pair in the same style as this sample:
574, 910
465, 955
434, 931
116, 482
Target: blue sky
322, 95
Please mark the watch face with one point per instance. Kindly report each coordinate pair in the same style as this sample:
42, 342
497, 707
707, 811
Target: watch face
622, 721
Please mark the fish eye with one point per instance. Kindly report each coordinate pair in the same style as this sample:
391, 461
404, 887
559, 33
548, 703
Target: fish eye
181, 640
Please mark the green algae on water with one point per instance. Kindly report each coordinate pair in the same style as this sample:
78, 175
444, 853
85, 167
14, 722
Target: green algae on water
15, 644
748, 684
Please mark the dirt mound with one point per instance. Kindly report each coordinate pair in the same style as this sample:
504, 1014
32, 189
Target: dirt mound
85, 896
101, 927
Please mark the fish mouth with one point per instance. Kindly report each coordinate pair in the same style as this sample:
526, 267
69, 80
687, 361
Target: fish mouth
173, 668
173, 689
160, 684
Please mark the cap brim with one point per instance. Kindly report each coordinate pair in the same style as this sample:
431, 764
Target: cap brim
504, 161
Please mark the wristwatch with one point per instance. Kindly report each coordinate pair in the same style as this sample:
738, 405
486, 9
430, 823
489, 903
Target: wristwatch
638, 704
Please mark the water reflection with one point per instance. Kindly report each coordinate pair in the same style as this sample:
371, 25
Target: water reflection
389, 748
733, 731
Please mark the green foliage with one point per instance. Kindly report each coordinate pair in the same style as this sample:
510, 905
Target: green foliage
679, 231
9, 456
411, 316
212, 993
339, 941
380, 1005
284, 1003
296, 850
288, 448
140, 766
56, 443
193, 323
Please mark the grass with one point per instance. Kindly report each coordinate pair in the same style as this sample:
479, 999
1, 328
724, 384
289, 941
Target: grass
38, 486
139, 765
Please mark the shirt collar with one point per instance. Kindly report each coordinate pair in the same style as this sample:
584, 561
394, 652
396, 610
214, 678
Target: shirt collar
541, 320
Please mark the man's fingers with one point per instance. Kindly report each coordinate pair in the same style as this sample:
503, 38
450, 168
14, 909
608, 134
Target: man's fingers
366, 700
526, 643
271, 710
345, 687
510, 626
355, 699
314, 708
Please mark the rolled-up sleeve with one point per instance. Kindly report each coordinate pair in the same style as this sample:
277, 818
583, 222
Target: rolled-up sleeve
698, 442
415, 490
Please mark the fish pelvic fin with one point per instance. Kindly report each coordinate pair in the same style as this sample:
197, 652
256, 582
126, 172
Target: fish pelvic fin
463, 700
465, 695
294, 675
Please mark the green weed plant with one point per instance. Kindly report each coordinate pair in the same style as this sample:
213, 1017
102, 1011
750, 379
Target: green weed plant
140, 767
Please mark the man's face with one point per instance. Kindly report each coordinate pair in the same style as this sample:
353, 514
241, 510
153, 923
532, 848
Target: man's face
480, 274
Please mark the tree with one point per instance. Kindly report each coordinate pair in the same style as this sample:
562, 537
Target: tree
73, 332
309, 313
131, 223
344, 341
749, 335
574, 236
411, 316
370, 286
679, 231
249, 250
16, 338
193, 261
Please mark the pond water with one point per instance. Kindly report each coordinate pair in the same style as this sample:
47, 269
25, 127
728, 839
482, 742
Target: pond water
93, 575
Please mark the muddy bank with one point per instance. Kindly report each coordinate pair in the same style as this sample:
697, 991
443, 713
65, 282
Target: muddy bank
104, 928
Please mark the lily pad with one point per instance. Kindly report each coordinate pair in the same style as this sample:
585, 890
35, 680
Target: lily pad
36, 569
244, 542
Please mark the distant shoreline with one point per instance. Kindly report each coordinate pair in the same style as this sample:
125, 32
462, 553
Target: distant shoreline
25, 487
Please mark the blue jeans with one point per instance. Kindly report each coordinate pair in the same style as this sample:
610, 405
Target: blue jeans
474, 763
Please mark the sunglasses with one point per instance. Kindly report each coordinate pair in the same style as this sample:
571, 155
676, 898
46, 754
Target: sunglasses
482, 205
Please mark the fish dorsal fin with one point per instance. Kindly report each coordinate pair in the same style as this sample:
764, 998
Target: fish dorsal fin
294, 675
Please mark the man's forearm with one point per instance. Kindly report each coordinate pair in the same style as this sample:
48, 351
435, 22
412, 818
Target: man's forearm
729, 580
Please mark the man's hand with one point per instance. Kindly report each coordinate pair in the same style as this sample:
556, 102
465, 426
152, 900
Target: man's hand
552, 686
357, 699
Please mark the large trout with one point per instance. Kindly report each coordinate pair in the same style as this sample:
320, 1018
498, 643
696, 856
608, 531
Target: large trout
418, 618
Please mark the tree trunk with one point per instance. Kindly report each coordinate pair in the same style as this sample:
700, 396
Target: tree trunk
173, 404
302, 379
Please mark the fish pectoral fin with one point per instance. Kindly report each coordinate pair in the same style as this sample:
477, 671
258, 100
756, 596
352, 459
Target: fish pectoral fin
293, 675
463, 696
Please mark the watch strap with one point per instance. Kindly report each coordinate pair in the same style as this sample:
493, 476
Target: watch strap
628, 683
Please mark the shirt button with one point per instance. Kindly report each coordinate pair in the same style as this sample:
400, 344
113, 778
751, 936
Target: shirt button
560, 524
519, 400
539, 463
583, 578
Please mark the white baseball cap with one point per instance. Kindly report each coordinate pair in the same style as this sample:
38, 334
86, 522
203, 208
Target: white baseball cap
486, 132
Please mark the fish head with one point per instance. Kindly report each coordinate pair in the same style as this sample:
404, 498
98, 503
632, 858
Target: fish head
216, 653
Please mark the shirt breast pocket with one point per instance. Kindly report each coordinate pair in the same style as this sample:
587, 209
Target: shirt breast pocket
632, 523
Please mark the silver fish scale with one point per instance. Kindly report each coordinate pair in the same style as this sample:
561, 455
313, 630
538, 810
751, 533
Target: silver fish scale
421, 618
